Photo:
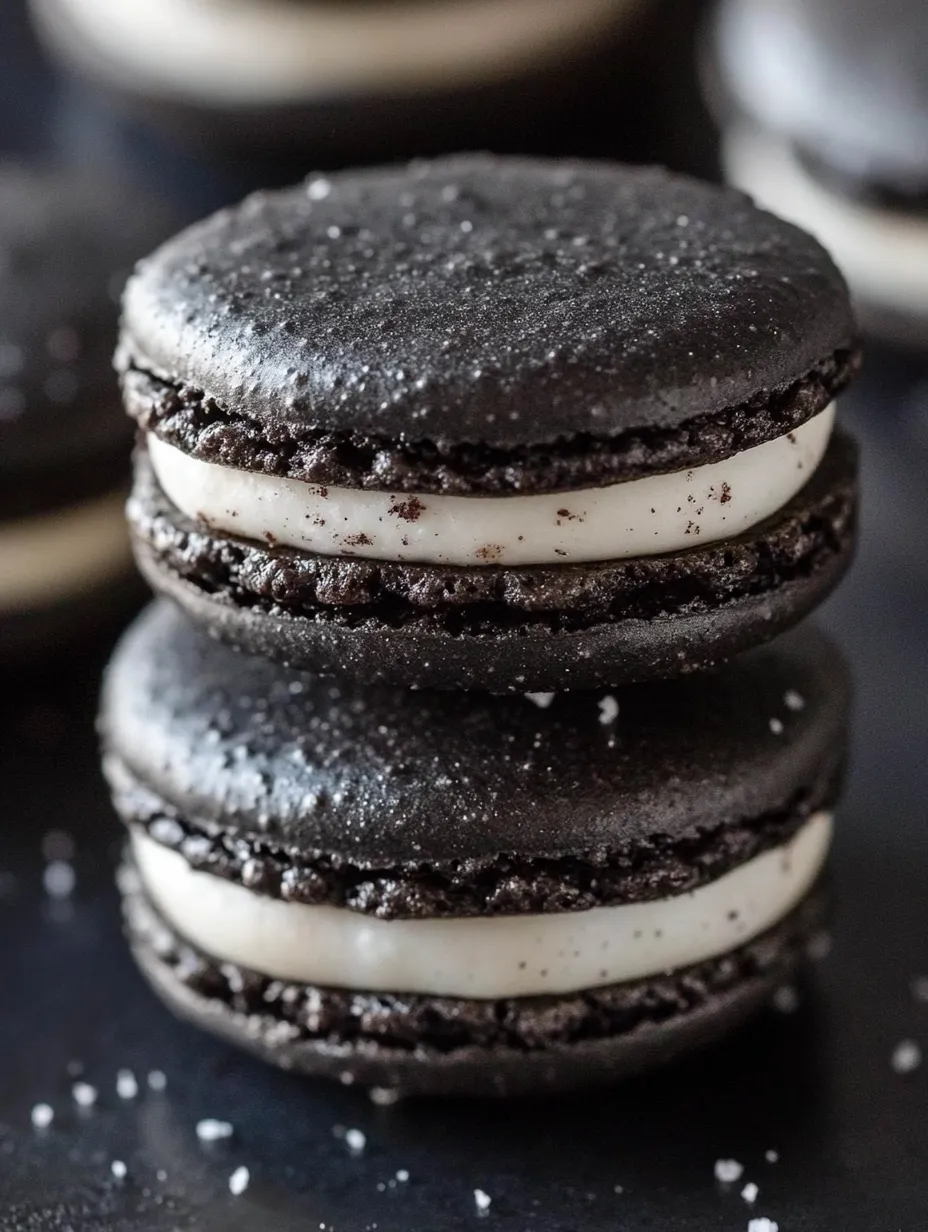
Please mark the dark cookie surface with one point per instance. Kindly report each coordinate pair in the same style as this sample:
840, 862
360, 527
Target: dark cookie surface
67, 243
379, 778
503, 884
508, 629
421, 1044
418, 328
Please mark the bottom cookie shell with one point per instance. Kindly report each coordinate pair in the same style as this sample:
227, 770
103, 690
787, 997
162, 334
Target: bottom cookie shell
528, 630
425, 1045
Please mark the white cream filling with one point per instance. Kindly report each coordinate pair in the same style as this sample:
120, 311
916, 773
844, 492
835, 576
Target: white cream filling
238, 51
641, 517
883, 254
487, 957
60, 554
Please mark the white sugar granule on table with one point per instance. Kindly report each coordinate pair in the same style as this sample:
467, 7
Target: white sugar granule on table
118, 1169
728, 1171
238, 1181
763, 1225
58, 878
355, 1140
383, 1097
776, 726
482, 1201
786, 999
750, 1192
907, 1056
608, 710
211, 1130
819, 946
771, 1157
84, 1095
157, 1080
42, 1116
793, 701
541, 700
127, 1086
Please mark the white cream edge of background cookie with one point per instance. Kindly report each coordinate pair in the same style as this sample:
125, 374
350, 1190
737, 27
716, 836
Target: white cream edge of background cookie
242, 50
62, 553
640, 517
482, 957
883, 253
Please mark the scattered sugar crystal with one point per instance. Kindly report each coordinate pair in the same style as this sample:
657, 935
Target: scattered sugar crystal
482, 1201
211, 1130
617, 1189
771, 1156
907, 1056
728, 1171
58, 879
541, 700
402, 1175
318, 190
156, 1080
85, 1096
167, 831
819, 946
776, 726
383, 1096
118, 1169
750, 1192
126, 1085
919, 988
786, 999
355, 1140
42, 1116
608, 710
793, 701
763, 1225
238, 1182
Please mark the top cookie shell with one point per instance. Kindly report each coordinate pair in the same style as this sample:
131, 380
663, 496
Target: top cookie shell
484, 324
380, 776
846, 79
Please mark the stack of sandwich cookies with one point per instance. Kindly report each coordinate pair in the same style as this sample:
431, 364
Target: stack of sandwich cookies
825, 117
460, 893
65, 251
492, 424
409, 438
379, 77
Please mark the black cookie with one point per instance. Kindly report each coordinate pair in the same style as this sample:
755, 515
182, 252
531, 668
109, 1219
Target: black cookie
67, 243
820, 130
375, 95
699, 806
413, 354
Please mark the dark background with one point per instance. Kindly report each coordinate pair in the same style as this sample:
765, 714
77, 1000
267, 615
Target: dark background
817, 1085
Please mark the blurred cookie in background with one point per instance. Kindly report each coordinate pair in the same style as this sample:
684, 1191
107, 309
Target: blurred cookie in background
67, 243
344, 80
824, 105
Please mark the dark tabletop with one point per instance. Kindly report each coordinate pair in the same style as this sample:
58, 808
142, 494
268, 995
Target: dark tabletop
817, 1085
